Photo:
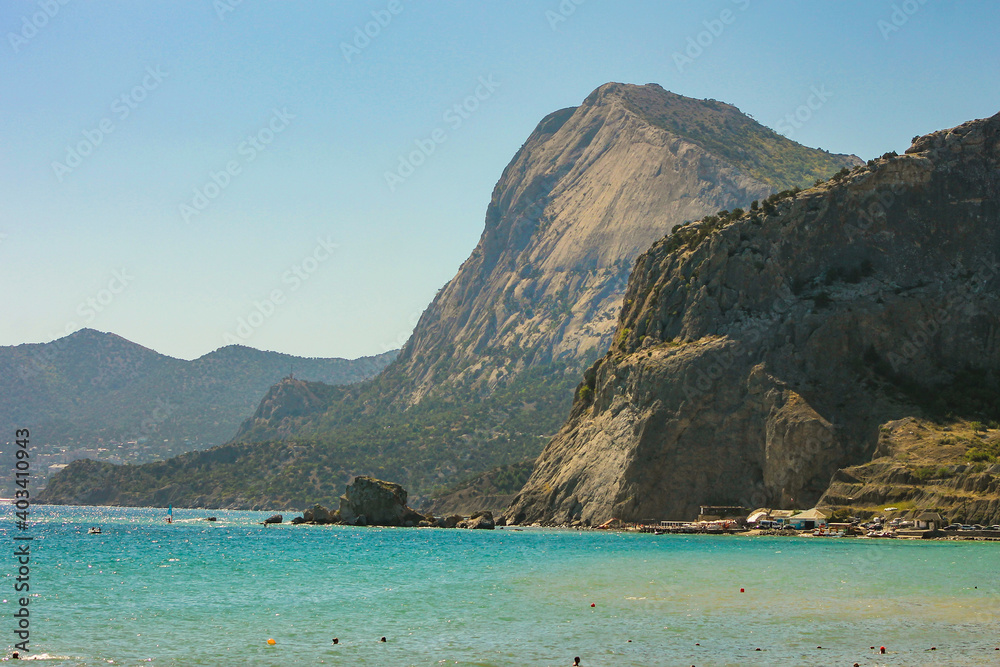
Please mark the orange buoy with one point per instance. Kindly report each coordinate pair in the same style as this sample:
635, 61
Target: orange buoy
271, 642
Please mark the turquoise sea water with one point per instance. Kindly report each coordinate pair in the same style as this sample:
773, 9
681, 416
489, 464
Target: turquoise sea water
198, 593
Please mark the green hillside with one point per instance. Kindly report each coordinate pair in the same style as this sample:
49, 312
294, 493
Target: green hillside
99, 395
429, 445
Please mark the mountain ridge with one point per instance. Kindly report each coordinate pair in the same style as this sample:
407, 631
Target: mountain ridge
92, 387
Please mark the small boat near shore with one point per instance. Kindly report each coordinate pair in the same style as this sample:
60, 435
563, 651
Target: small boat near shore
94, 530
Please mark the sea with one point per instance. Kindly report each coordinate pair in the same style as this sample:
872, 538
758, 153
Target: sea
194, 592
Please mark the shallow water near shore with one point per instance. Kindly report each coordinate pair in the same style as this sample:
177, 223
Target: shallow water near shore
211, 593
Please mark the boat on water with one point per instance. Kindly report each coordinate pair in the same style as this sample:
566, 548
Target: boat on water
94, 530
826, 532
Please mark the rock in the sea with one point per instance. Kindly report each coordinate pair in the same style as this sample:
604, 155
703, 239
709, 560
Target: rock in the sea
360, 520
479, 521
320, 514
453, 521
276, 518
297, 520
380, 503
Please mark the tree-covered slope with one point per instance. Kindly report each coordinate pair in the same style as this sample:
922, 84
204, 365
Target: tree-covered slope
93, 390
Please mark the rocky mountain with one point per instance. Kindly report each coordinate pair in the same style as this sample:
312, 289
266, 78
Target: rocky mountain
487, 376
94, 390
590, 189
760, 355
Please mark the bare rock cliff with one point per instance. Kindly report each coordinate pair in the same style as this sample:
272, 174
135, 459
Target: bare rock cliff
591, 188
758, 354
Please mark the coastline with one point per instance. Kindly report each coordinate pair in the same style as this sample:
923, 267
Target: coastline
460, 595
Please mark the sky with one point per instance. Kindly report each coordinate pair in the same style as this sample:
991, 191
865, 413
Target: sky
304, 176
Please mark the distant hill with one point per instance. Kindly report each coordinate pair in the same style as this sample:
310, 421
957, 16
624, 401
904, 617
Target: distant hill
487, 376
93, 390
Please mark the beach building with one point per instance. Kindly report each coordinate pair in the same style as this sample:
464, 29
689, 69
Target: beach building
719, 512
781, 517
929, 521
808, 520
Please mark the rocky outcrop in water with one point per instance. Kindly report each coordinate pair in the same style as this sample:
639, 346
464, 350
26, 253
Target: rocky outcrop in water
374, 502
320, 515
380, 503
479, 521
758, 354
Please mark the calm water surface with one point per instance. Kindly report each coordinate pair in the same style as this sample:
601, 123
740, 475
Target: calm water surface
199, 593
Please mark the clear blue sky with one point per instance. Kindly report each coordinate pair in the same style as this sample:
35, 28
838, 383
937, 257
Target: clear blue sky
101, 240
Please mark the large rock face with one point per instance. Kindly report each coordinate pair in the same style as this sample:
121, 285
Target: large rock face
756, 356
487, 376
590, 189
